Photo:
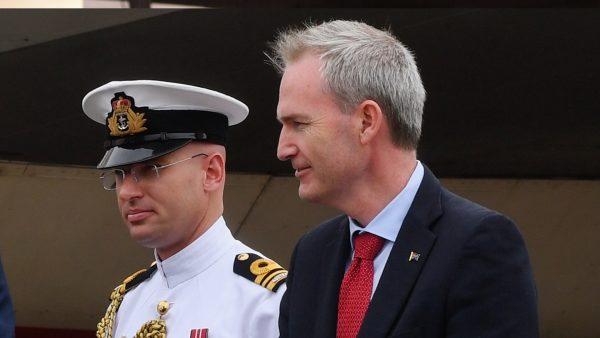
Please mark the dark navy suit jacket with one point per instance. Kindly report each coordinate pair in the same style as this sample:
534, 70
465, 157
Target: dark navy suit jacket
473, 277
7, 317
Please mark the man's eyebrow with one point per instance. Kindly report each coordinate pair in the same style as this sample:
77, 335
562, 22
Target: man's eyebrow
289, 117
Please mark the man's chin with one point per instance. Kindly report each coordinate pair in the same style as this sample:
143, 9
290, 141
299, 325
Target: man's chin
319, 196
143, 237
307, 194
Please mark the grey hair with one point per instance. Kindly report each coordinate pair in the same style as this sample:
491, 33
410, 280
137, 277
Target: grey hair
360, 62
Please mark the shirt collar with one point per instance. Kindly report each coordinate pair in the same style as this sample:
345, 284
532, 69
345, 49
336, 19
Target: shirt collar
198, 256
388, 222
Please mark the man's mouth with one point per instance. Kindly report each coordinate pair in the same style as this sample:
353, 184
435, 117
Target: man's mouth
137, 215
301, 170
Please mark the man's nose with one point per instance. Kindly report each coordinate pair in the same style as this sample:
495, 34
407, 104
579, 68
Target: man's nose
286, 149
129, 188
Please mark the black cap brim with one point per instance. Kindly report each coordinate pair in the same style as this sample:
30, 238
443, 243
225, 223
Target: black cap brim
122, 156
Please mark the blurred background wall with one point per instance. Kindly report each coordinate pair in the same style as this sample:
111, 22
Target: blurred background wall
64, 246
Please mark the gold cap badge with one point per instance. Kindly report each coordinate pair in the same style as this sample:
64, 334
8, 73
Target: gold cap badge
122, 119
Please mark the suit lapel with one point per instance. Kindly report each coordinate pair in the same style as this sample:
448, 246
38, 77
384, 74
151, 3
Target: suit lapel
332, 271
400, 273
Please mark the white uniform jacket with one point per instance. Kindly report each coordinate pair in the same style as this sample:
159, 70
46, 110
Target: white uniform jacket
207, 299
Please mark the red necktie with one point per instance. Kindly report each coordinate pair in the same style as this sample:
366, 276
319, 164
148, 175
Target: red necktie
355, 292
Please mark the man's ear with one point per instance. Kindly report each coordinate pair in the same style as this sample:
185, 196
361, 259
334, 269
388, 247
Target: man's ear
215, 172
371, 120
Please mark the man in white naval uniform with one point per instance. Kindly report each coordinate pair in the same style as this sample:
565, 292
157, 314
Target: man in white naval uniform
166, 161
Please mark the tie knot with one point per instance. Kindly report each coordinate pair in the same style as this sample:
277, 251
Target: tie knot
367, 245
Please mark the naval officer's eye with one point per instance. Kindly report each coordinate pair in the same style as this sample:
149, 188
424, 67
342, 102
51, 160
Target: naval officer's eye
147, 171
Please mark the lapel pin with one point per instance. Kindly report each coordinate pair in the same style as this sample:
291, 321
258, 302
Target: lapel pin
414, 256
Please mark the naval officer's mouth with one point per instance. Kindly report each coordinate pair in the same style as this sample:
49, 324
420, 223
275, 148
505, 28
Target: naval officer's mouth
138, 215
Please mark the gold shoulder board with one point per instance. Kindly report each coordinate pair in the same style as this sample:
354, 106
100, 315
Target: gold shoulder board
260, 270
138, 277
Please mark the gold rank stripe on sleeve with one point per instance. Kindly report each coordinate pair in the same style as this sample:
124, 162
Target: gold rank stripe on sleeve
277, 279
105, 326
260, 270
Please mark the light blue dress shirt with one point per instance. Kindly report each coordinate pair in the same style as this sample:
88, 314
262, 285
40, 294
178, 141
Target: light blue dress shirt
388, 222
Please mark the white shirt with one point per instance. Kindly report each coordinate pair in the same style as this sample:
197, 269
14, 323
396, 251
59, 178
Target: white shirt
388, 222
203, 292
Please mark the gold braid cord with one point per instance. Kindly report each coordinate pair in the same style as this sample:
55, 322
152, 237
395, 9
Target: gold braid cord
156, 328
105, 327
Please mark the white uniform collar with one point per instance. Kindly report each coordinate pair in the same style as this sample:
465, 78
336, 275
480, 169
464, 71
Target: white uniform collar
198, 256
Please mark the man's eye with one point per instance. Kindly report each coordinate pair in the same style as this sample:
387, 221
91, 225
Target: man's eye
299, 124
146, 170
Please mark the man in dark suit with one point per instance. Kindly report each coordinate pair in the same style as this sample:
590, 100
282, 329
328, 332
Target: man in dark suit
409, 258
7, 317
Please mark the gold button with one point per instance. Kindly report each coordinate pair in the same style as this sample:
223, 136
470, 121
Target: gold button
243, 257
162, 307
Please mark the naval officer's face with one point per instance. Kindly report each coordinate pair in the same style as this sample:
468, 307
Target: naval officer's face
316, 136
165, 212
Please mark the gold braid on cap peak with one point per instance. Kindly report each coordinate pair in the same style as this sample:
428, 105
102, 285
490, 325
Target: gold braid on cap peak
106, 324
